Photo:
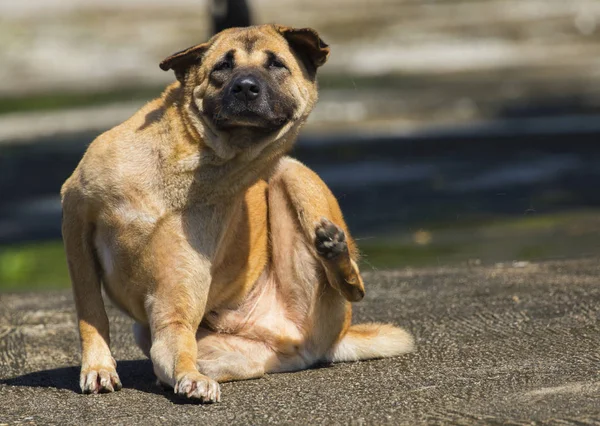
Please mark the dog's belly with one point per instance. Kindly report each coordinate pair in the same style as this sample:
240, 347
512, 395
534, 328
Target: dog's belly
255, 293
273, 324
270, 328
263, 328
263, 315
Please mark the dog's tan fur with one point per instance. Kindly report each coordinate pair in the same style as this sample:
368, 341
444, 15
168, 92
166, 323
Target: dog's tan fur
206, 235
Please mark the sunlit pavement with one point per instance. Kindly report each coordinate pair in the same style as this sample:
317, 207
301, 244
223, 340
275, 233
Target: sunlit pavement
510, 343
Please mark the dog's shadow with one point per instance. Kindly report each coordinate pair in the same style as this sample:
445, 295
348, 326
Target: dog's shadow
134, 374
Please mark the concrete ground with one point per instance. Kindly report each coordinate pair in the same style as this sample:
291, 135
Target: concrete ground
504, 344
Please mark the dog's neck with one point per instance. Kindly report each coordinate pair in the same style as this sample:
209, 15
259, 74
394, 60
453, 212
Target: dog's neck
231, 178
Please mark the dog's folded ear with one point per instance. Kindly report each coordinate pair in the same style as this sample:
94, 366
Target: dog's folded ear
307, 43
180, 62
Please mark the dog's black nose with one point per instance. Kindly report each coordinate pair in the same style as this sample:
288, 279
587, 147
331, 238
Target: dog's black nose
246, 89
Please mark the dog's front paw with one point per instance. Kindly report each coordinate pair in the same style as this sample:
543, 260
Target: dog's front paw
103, 379
198, 386
330, 240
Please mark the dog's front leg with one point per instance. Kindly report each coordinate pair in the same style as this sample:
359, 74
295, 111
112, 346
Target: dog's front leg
98, 367
175, 309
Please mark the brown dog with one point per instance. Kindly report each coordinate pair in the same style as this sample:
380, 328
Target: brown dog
233, 260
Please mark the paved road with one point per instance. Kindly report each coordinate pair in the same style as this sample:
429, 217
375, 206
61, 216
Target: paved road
500, 344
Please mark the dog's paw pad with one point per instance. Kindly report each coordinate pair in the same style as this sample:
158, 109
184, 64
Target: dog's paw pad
330, 240
100, 380
197, 386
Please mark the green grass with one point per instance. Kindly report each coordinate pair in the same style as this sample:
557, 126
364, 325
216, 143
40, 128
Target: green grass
33, 266
387, 254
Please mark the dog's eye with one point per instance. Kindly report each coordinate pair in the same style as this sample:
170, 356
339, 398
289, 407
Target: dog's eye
276, 63
222, 66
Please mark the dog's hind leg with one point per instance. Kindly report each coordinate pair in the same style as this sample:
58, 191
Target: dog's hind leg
227, 358
321, 221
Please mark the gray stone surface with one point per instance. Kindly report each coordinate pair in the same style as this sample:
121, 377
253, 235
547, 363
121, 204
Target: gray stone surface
503, 344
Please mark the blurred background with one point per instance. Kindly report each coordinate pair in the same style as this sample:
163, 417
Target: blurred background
452, 131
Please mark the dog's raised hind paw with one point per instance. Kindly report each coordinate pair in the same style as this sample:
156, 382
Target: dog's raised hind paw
330, 240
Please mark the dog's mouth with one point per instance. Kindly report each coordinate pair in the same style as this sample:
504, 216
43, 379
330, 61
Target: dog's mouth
250, 120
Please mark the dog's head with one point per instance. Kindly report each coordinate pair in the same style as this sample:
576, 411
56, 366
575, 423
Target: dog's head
249, 85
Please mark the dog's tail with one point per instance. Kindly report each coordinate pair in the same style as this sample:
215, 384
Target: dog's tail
372, 340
